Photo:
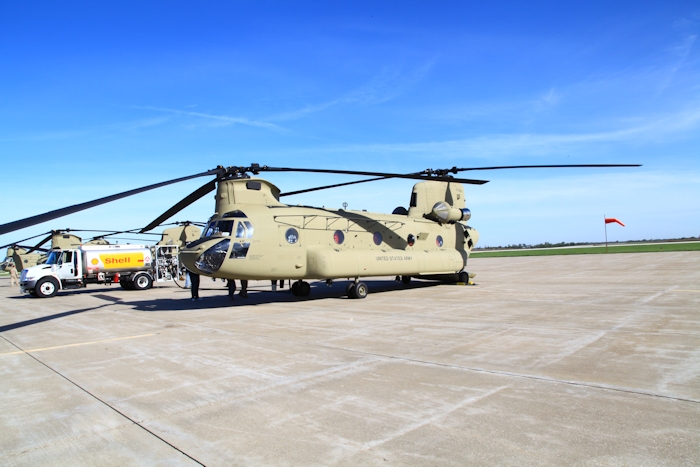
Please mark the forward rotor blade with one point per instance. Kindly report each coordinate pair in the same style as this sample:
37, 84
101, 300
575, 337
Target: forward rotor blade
413, 176
189, 199
47, 216
332, 186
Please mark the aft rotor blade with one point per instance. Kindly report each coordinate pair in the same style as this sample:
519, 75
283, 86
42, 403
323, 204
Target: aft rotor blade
47, 216
560, 166
416, 176
189, 199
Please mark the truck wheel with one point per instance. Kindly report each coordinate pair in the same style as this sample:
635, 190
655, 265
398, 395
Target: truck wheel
126, 284
46, 287
142, 282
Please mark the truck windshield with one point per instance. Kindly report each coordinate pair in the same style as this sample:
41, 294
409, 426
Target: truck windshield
54, 257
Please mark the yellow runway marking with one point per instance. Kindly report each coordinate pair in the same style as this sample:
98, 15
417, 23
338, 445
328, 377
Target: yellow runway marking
75, 345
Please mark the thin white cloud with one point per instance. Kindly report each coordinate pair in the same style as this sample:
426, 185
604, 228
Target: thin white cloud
220, 120
681, 52
387, 85
501, 145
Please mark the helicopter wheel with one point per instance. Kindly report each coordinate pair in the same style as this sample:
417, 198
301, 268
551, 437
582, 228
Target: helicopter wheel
301, 289
406, 280
359, 290
463, 277
350, 290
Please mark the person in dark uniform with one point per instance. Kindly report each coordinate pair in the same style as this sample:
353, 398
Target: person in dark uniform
194, 278
244, 288
231, 284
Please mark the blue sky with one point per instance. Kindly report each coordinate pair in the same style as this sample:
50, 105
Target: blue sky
97, 99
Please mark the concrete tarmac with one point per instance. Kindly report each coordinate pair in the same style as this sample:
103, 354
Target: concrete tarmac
589, 360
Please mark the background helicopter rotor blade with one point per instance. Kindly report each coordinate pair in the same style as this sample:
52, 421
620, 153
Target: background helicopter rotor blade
23, 240
186, 201
30, 248
38, 245
47, 216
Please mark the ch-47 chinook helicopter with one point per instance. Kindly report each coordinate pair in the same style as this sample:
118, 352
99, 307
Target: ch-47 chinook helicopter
254, 236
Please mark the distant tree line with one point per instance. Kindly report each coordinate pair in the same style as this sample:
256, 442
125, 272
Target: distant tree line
523, 246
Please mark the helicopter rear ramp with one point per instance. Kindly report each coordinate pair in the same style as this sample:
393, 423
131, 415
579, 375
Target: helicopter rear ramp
568, 360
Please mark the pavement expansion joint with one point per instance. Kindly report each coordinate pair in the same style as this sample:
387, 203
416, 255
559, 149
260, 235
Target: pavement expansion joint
101, 401
466, 368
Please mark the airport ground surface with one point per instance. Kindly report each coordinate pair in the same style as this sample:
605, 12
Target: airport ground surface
567, 360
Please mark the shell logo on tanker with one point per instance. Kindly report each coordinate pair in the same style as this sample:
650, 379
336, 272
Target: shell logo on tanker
120, 260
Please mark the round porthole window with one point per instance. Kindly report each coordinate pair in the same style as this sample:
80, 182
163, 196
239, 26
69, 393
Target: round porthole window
438, 240
292, 236
377, 238
411, 239
338, 237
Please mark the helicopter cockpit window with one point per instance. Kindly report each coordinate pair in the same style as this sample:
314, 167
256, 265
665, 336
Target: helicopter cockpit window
244, 229
248, 229
240, 230
221, 228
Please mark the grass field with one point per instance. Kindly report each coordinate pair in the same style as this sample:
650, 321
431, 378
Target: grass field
594, 250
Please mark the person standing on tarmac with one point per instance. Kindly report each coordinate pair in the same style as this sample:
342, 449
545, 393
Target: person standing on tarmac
194, 278
13, 275
244, 288
231, 284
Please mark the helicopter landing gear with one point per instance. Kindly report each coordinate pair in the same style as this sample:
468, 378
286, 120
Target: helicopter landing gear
301, 289
463, 277
406, 280
357, 290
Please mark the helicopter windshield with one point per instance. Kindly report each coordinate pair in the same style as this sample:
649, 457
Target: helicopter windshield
224, 227
220, 228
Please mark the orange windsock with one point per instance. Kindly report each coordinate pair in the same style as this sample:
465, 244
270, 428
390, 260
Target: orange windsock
610, 220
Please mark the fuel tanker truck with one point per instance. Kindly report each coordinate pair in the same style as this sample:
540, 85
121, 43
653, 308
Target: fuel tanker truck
135, 267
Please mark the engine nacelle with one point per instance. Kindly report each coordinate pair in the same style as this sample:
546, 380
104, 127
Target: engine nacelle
448, 214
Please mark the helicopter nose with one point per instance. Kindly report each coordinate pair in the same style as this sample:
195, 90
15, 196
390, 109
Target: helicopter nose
207, 257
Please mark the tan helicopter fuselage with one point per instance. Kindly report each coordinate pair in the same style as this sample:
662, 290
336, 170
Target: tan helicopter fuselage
254, 236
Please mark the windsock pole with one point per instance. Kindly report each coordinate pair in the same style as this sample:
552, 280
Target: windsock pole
606, 233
